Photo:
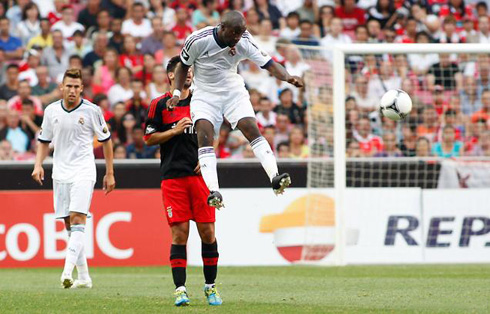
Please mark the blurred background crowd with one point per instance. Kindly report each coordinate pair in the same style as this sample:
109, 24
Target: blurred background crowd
122, 47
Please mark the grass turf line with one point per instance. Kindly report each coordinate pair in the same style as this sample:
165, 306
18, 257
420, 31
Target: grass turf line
294, 289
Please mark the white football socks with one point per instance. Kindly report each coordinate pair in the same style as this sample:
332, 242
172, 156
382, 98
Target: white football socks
82, 265
75, 246
209, 171
263, 152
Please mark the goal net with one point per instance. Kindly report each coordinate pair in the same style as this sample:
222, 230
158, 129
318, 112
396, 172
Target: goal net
366, 173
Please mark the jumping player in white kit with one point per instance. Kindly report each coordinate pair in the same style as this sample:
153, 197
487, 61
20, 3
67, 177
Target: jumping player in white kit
71, 124
215, 53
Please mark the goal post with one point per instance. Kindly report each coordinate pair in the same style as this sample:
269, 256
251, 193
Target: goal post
333, 173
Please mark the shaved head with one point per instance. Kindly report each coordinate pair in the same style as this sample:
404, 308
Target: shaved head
234, 19
232, 27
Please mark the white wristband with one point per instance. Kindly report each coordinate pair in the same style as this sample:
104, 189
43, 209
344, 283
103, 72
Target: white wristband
176, 93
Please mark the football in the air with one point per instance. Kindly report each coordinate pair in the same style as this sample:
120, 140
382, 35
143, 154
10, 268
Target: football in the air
395, 104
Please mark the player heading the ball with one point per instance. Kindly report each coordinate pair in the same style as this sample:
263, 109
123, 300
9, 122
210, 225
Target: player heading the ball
215, 53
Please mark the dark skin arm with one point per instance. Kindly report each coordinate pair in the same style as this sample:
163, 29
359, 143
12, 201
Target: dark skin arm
181, 71
279, 72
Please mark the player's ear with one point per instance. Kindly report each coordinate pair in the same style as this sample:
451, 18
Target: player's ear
171, 75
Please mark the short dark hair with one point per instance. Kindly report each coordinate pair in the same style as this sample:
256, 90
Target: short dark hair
304, 21
99, 98
285, 143
482, 4
13, 66
73, 73
27, 102
29, 6
293, 14
138, 4
75, 57
172, 64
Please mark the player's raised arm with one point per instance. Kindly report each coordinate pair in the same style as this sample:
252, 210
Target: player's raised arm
180, 76
279, 72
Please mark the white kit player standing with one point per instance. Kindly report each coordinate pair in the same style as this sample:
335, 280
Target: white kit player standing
71, 124
215, 53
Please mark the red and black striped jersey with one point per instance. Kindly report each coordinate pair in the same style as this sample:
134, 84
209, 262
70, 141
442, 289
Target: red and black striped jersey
179, 154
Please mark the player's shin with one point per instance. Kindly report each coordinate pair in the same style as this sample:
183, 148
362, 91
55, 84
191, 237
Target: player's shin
75, 246
210, 257
264, 153
178, 261
82, 266
207, 160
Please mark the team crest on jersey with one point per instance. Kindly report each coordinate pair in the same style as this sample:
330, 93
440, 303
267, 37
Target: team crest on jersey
81, 121
263, 53
104, 130
169, 211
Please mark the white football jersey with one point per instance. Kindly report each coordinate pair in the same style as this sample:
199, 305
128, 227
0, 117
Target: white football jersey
72, 133
215, 67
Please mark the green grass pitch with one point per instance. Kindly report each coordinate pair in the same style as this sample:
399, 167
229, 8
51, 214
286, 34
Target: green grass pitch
294, 289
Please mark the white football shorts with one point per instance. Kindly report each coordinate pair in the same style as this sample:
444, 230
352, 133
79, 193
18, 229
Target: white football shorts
72, 197
233, 105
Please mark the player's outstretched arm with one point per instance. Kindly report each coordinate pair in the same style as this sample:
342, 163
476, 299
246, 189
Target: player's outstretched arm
38, 172
180, 76
279, 72
162, 137
109, 183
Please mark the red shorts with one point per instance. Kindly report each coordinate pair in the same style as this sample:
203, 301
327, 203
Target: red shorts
186, 199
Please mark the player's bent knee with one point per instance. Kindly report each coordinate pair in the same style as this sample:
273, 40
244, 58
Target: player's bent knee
249, 128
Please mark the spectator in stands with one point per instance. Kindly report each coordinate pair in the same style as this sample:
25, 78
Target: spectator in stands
306, 37
374, 31
136, 105
481, 9
448, 146
354, 149
288, 107
25, 92
170, 48
386, 80
335, 36
14, 133
3, 66
206, 12
30, 121
247, 152
161, 9
409, 36
44, 38
137, 26
153, 43
12, 46
138, 149
421, 63
119, 151
408, 143
255, 78
422, 148
3, 114
469, 34
54, 14
297, 147
14, 14
439, 100
361, 34
364, 101
105, 75
308, 11
449, 34
67, 26
445, 73
159, 84
116, 123
283, 125
121, 92
484, 112
265, 40
103, 24
117, 8
77, 45
480, 70
389, 35
182, 27
266, 116
28, 72
56, 58
148, 66
89, 15
100, 47
117, 38
45, 90
30, 26
283, 150
426, 22
131, 57
470, 96
350, 14
267, 10
292, 29
9, 89
269, 133
389, 146
483, 146
383, 12
6, 150
369, 143
429, 126
484, 27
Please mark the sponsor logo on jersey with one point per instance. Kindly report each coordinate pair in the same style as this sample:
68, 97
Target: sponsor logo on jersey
169, 211
81, 121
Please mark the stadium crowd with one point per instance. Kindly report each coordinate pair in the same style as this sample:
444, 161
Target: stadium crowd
122, 47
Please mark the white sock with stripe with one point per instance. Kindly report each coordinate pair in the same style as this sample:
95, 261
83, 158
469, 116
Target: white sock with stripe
75, 246
263, 152
209, 171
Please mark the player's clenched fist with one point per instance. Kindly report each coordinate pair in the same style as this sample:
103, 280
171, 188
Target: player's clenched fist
182, 125
172, 102
38, 174
296, 81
